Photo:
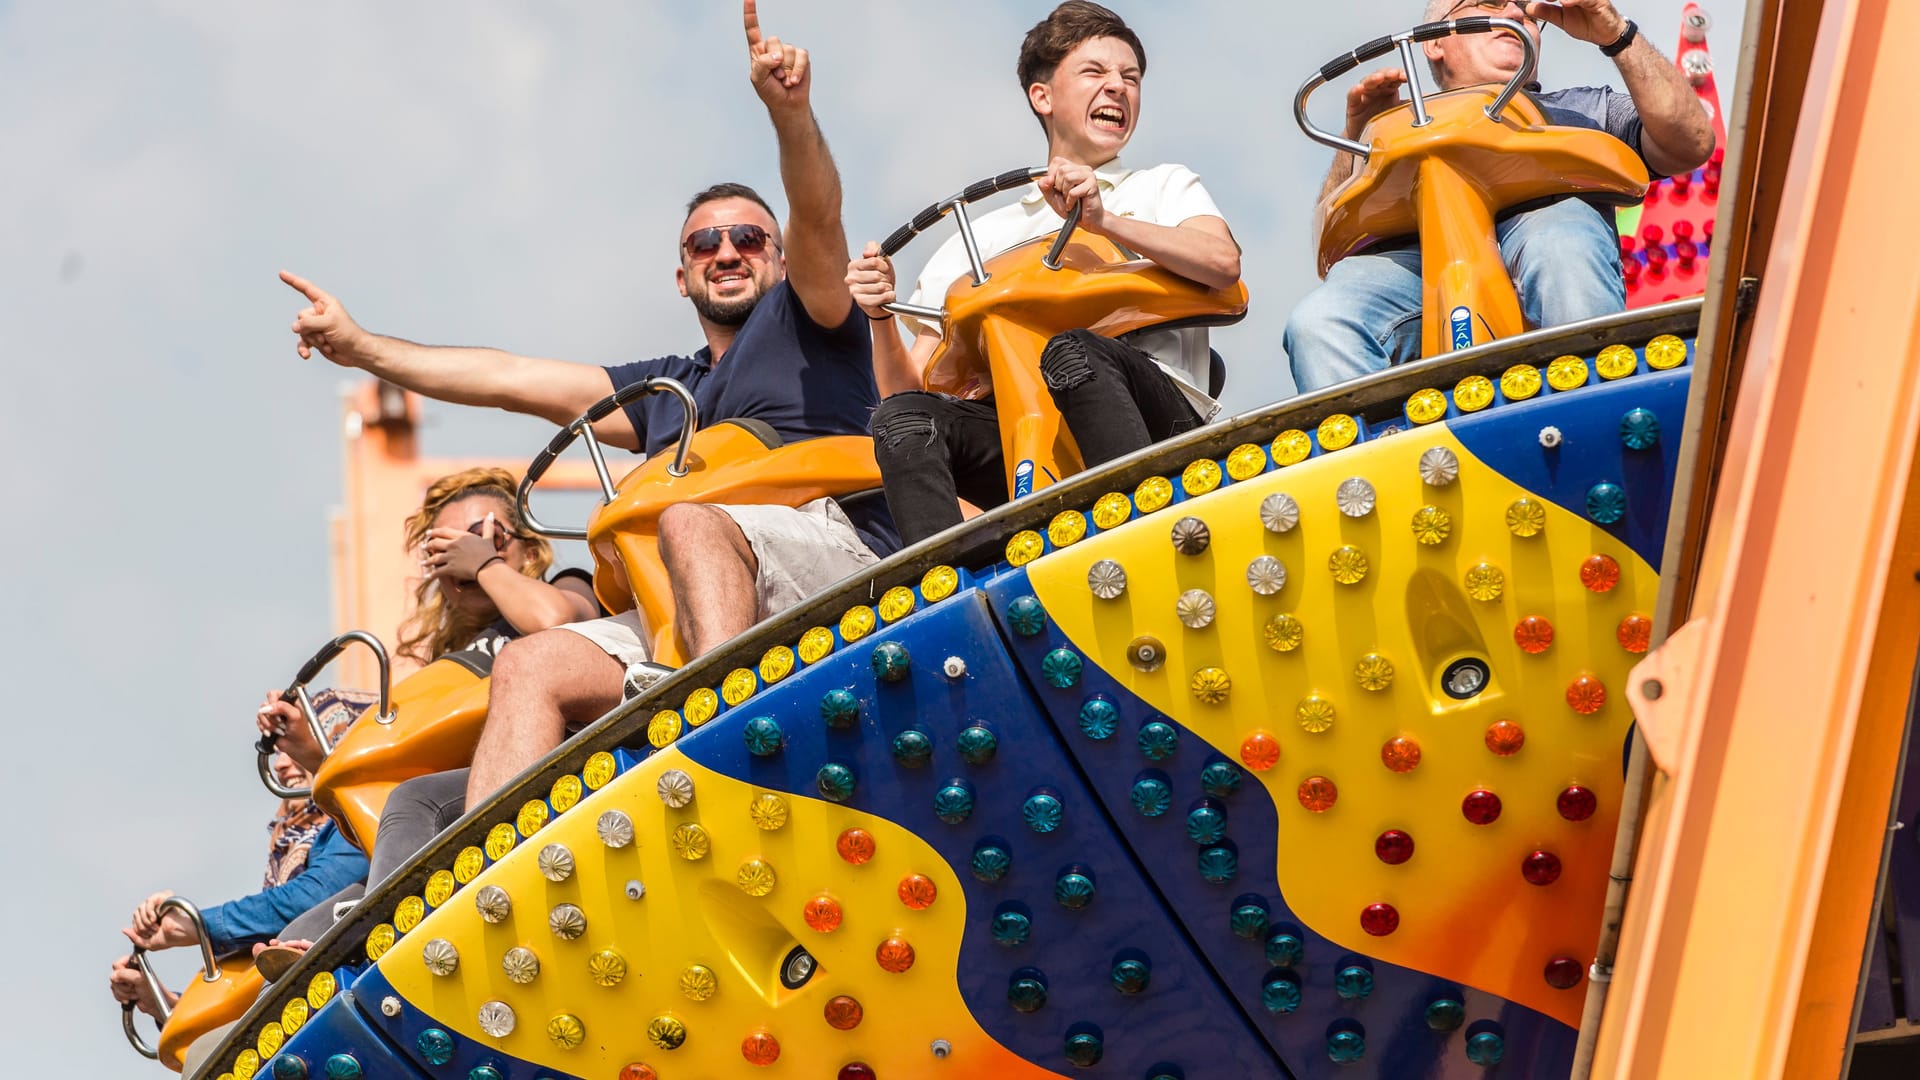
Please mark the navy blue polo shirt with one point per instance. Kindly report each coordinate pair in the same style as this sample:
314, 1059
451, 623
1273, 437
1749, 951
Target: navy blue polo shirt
784, 370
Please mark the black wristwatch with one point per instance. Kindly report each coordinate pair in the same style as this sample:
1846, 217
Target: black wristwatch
1620, 45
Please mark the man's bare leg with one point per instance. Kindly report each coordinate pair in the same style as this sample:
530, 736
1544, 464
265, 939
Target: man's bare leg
713, 569
540, 684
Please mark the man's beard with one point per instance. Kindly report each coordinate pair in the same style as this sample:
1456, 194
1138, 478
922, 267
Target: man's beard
724, 312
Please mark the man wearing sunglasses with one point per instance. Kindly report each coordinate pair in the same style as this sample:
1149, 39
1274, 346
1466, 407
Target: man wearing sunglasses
783, 345
1564, 256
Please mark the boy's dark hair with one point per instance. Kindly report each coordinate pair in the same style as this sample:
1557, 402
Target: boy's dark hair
728, 191
1053, 37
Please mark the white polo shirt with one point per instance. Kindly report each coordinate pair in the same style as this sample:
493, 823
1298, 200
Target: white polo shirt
1163, 195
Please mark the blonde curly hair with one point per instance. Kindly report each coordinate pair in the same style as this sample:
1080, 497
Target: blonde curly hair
434, 627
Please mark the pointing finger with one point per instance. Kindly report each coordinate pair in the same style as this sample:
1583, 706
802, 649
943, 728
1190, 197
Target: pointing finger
750, 12
306, 288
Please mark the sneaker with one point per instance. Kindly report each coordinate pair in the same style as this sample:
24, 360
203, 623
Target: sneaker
642, 675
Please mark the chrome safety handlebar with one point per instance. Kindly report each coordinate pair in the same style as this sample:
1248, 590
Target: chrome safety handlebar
582, 427
297, 691
155, 987
957, 206
1404, 43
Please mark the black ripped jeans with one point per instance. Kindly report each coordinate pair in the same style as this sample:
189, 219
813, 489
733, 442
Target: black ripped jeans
935, 450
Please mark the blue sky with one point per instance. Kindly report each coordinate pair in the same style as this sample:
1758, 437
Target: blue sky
474, 173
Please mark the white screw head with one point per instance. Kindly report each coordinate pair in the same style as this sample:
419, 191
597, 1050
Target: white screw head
635, 890
955, 667
1550, 437
390, 1006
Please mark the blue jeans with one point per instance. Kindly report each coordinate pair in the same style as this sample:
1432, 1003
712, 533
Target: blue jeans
1565, 263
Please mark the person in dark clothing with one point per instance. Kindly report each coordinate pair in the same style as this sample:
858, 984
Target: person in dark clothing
783, 345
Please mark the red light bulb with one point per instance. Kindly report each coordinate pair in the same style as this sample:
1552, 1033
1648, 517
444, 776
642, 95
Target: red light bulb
1393, 847
1379, 919
1481, 807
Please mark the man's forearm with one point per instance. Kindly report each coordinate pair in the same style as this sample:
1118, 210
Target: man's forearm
1671, 116
1194, 254
807, 173
554, 390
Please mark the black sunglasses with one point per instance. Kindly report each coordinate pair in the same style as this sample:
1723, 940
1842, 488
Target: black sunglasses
502, 536
748, 240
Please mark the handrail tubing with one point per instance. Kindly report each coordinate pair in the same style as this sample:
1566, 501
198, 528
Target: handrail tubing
159, 989
972, 542
1404, 42
297, 691
582, 427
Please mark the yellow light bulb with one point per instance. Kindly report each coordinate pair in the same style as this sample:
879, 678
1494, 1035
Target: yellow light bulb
857, 623
700, 706
739, 685
815, 644
1426, 406
500, 840
408, 913
565, 793
1246, 462
776, 663
939, 583
1291, 447
1617, 362
897, 603
531, 818
1567, 373
599, 769
1200, 477
1153, 494
663, 728
1284, 633
379, 940
1067, 528
1112, 511
1485, 583
1473, 393
1431, 525
1520, 382
439, 887
1666, 352
1338, 432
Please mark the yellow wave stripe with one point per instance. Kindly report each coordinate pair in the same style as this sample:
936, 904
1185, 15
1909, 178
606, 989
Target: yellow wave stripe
704, 914
1465, 910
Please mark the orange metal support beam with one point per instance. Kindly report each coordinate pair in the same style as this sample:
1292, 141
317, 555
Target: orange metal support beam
1774, 716
384, 478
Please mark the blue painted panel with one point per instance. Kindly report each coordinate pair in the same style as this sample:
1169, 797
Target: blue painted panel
1508, 438
1393, 1017
1178, 1017
341, 1028
1876, 995
405, 1029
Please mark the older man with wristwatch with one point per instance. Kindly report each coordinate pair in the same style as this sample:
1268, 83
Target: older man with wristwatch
1564, 255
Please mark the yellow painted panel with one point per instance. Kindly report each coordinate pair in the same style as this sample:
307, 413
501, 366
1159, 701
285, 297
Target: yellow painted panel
696, 913
1466, 912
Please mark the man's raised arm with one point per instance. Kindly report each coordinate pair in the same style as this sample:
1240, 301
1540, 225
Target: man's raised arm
816, 241
555, 390
1675, 134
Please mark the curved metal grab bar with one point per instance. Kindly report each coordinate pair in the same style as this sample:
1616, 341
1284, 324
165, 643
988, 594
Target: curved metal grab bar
297, 691
1404, 42
976, 260
154, 985
582, 427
